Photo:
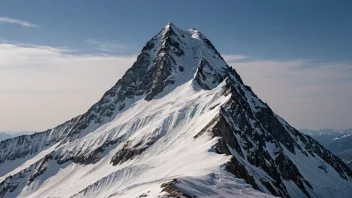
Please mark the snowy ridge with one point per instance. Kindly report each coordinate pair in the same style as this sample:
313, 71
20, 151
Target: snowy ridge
269, 143
12, 148
179, 123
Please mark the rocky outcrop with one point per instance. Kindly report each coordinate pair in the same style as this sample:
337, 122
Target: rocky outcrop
207, 76
86, 157
25, 177
173, 191
130, 151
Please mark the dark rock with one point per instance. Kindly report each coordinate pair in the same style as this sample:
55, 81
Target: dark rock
173, 191
41, 169
129, 152
207, 77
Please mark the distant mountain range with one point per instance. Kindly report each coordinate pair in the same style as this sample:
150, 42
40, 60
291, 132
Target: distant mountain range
6, 135
337, 141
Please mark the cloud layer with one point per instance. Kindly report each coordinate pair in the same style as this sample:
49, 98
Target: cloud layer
18, 21
106, 46
307, 93
41, 86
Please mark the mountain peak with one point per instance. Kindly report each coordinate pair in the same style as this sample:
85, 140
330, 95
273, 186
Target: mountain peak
170, 24
170, 27
177, 56
179, 122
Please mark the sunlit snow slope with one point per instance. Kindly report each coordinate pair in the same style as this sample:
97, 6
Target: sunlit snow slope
179, 123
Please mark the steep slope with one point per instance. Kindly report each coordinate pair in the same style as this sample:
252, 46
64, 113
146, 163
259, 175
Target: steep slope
7, 135
334, 140
179, 123
4, 136
338, 142
349, 164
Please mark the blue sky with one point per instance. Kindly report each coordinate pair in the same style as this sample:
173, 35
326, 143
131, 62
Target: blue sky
264, 29
295, 54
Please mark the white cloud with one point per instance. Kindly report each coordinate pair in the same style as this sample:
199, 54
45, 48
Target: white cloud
308, 94
234, 58
42, 86
107, 46
18, 21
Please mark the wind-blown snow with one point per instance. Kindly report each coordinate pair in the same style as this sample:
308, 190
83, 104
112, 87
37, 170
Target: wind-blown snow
177, 118
148, 143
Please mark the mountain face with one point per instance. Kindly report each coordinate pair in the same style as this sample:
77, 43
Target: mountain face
338, 142
4, 136
179, 123
7, 135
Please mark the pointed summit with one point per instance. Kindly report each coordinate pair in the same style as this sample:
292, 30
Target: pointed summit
179, 122
171, 58
180, 54
170, 25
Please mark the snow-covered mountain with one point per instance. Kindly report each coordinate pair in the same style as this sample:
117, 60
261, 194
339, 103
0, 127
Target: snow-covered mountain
4, 136
349, 164
338, 142
179, 123
7, 135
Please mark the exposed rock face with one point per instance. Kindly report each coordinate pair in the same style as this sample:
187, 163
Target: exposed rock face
258, 127
21, 146
24, 177
207, 76
338, 142
165, 63
172, 190
129, 151
180, 113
